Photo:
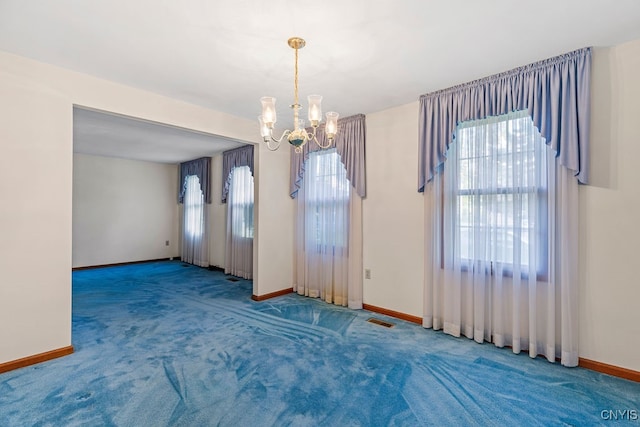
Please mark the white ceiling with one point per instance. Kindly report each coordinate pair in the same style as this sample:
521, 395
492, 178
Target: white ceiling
363, 56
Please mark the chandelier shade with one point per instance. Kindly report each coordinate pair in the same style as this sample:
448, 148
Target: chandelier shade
299, 136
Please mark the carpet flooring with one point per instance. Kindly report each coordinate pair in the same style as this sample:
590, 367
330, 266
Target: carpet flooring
166, 344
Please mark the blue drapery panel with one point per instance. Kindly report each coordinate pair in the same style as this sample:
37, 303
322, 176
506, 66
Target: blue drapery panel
555, 92
237, 157
349, 143
202, 169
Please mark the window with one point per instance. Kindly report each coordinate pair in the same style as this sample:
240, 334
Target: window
498, 195
241, 202
193, 207
326, 201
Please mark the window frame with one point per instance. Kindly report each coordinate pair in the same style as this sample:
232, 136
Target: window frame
248, 232
190, 204
539, 191
318, 204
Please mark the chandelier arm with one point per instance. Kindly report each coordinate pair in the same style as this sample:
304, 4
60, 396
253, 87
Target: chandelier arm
315, 139
270, 139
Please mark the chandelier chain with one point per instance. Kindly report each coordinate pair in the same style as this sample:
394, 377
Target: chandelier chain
295, 91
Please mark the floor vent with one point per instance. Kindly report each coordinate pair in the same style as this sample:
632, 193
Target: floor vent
381, 322
233, 279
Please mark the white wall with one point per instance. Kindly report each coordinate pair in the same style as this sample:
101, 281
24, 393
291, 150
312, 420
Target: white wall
123, 210
273, 221
36, 116
610, 213
35, 219
393, 212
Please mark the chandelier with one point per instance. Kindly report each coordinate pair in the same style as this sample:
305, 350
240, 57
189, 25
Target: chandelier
299, 136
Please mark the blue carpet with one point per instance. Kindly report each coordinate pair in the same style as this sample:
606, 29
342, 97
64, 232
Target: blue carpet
160, 344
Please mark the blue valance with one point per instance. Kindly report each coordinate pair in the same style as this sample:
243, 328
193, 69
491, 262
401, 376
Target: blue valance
202, 169
350, 145
555, 91
237, 157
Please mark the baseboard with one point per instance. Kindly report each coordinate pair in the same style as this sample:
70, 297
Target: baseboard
36, 358
271, 295
616, 371
396, 314
89, 267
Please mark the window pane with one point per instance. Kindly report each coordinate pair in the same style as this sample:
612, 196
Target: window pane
500, 179
193, 207
327, 201
241, 194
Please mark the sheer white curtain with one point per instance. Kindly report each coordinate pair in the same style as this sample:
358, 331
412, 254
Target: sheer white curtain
501, 224
328, 253
195, 244
239, 247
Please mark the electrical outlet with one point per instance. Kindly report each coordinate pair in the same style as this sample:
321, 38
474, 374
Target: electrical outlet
166, 243
367, 273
